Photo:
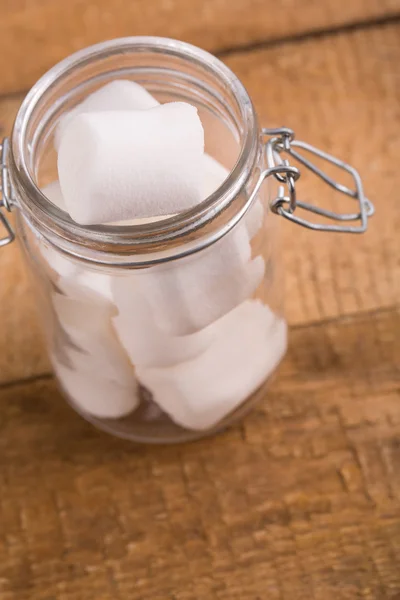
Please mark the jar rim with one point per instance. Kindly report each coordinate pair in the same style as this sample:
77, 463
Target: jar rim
118, 239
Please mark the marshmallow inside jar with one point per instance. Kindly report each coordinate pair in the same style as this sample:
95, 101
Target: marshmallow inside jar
247, 346
120, 165
94, 396
117, 95
146, 344
193, 292
93, 369
65, 269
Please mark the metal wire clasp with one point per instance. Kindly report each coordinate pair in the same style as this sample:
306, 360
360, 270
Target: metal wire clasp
5, 195
282, 141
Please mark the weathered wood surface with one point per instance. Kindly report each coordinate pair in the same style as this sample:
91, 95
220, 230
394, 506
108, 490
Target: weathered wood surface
35, 34
302, 500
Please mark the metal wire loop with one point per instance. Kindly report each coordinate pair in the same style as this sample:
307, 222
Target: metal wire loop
281, 141
5, 187
10, 235
5, 196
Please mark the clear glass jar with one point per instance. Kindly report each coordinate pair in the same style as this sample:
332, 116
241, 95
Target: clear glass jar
159, 331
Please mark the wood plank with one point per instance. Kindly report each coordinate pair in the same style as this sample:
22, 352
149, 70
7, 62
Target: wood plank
346, 101
309, 507
35, 34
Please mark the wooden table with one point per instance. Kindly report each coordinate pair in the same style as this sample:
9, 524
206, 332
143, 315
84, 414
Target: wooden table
302, 500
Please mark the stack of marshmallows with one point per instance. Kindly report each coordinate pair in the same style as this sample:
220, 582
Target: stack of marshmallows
188, 331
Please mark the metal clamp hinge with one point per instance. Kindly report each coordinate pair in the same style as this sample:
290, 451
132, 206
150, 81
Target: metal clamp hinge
5, 195
282, 141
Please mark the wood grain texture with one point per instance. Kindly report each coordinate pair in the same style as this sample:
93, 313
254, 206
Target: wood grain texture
35, 34
21, 344
309, 508
346, 100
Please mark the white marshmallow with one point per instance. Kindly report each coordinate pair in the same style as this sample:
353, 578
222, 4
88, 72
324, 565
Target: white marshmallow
96, 395
214, 176
108, 362
52, 191
128, 95
72, 279
144, 342
199, 393
92, 280
87, 323
140, 221
95, 371
57, 261
188, 294
70, 273
254, 218
116, 95
82, 308
123, 165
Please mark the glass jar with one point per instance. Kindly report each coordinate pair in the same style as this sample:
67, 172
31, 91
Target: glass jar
167, 329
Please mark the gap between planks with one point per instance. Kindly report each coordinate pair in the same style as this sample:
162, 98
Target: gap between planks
313, 34
342, 319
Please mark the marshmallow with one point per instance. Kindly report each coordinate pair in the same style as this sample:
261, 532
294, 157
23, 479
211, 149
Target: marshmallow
127, 95
198, 393
95, 395
94, 370
58, 262
81, 279
188, 294
115, 166
145, 343
214, 176
140, 221
68, 271
86, 358
92, 280
116, 95
254, 218
82, 308
52, 191
71, 278
87, 323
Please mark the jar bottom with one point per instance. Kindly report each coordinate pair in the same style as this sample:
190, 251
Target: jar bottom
149, 425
